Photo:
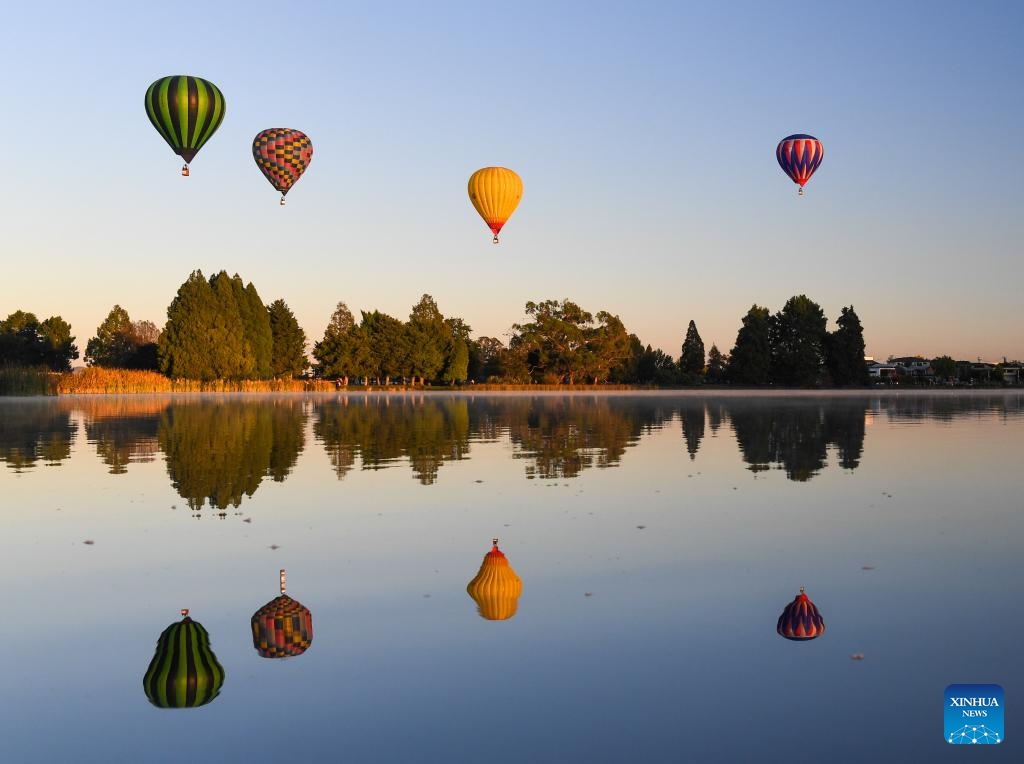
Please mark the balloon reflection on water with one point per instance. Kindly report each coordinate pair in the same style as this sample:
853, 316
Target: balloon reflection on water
184, 672
282, 628
801, 621
496, 587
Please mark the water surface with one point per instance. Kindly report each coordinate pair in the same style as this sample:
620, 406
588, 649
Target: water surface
657, 539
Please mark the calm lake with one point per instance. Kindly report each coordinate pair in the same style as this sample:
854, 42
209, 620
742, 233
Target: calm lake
657, 539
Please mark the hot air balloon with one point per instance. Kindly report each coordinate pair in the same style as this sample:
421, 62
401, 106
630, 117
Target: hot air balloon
496, 588
495, 193
799, 156
801, 621
186, 111
282, 628
184, 672
282, 154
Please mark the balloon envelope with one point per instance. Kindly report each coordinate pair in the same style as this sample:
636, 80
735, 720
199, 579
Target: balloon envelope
799, 156
282, 628
801, 620
282, 154
495, 193
496, 587
184, 672
186, 111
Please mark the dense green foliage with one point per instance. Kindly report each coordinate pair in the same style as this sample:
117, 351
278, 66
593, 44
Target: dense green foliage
220, 335
564, 343
27, 341
121, 343
288, 354
751, 356
846, 352
797, 337
216, 329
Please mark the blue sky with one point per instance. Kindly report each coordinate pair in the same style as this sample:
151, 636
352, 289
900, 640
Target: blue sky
644, 133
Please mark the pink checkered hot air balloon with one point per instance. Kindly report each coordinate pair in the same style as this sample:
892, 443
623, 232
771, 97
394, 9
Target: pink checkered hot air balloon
282, 154
799, 156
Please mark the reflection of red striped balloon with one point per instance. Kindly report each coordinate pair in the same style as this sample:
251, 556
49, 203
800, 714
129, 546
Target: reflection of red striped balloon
282, 628
801, 620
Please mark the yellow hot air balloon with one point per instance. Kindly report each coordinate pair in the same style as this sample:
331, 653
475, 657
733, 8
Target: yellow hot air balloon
495, 193
496, 588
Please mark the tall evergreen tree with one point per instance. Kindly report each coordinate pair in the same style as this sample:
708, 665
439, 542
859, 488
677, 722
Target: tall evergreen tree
288, 351
427, 337
750, 359
256, 323
716, 365
798, 339
233, 356
845, 345
336, 353
691, 360
185, 345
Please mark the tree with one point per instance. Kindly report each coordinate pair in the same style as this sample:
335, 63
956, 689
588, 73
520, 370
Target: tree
338, 352
185, 343
656, 367
608, 345
691, 361
485, 355
750, 359
555, 342
798, 336
426, 340
204, 337
716, 366
944, 367
845, 356
388, 345
457, 349
233, 356
144, 336
255, 326
25, 341
58, 346
288, 346
112, 347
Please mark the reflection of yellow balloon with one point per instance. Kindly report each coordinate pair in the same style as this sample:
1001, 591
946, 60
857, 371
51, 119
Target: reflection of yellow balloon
496, 588
495, 192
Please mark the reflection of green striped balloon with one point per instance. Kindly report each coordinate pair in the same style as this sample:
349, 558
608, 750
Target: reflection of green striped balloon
185, 111
184, 673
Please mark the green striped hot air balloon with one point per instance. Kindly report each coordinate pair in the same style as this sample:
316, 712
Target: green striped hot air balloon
184, 672
186, 111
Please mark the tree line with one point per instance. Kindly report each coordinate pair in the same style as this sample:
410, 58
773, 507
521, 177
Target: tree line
219, 328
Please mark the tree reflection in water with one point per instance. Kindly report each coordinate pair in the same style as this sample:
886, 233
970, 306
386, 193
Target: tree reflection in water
123, 429
795, 434
220, 450
34, 431
383, 430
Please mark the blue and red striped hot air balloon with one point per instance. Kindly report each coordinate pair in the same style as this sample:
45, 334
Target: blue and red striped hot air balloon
799, 156
801, 621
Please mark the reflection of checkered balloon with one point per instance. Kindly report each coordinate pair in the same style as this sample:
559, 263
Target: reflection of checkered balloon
282, 155
282, 628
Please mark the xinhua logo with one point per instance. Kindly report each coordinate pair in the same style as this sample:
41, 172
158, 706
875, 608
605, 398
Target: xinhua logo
973, 714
